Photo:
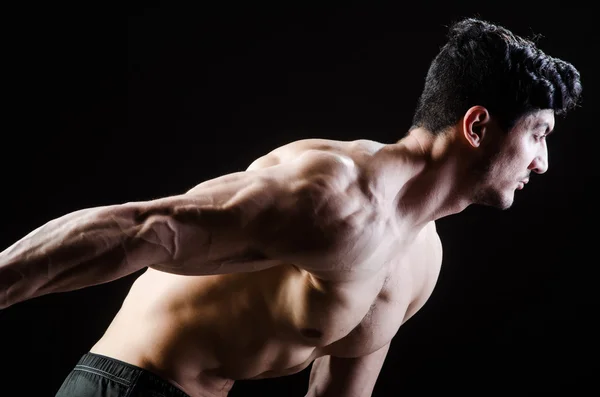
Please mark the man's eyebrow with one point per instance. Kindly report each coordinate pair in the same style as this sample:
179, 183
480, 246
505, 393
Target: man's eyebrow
545, 125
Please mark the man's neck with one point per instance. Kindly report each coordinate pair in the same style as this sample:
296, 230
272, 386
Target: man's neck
426, 174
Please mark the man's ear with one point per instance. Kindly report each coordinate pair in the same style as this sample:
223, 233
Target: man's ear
475, 124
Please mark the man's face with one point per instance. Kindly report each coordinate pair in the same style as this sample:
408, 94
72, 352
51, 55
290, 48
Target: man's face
509, 158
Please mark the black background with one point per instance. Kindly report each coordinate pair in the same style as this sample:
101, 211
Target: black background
109, 105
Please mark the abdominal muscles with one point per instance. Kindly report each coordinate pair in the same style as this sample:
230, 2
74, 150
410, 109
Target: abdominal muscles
255, 325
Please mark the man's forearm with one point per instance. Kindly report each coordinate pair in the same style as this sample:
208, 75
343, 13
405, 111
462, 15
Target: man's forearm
84, 248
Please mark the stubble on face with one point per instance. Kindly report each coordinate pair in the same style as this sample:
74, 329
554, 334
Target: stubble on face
486, 191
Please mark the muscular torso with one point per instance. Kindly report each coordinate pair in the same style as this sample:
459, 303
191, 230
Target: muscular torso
204, 332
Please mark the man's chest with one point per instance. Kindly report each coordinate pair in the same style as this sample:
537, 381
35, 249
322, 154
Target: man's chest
381, 321
406, 284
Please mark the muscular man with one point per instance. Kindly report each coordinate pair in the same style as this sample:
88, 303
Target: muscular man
317, 253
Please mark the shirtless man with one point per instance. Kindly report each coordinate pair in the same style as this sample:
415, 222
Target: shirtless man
317, 253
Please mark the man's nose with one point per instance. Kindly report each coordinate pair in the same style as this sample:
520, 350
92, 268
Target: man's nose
540, 162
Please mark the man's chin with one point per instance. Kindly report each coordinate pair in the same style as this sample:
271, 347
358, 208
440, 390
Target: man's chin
495, 199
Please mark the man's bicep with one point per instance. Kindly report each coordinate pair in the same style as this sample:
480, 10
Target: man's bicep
215, 226
225, 224
346, 377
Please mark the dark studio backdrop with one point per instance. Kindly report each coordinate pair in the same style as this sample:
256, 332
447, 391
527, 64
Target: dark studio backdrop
99, 114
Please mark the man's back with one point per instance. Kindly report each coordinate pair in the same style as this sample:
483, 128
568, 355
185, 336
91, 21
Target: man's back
204, 332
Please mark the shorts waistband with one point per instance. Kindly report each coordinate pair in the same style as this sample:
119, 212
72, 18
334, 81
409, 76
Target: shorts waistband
126, 374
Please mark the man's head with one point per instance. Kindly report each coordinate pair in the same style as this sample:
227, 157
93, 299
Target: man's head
502, 162
500, 93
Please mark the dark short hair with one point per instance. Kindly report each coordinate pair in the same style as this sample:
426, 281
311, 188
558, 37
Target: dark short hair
487, 65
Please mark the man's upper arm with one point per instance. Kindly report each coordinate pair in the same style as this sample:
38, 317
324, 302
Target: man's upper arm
226, 223
346, 377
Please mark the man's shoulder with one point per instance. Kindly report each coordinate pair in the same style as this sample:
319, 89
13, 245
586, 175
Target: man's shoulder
292, 150
433, 239
426, 250
316, 158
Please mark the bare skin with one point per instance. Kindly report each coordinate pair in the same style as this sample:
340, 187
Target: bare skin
187, 329
319, 252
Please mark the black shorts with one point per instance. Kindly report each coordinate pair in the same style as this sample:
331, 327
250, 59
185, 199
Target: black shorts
101, 376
